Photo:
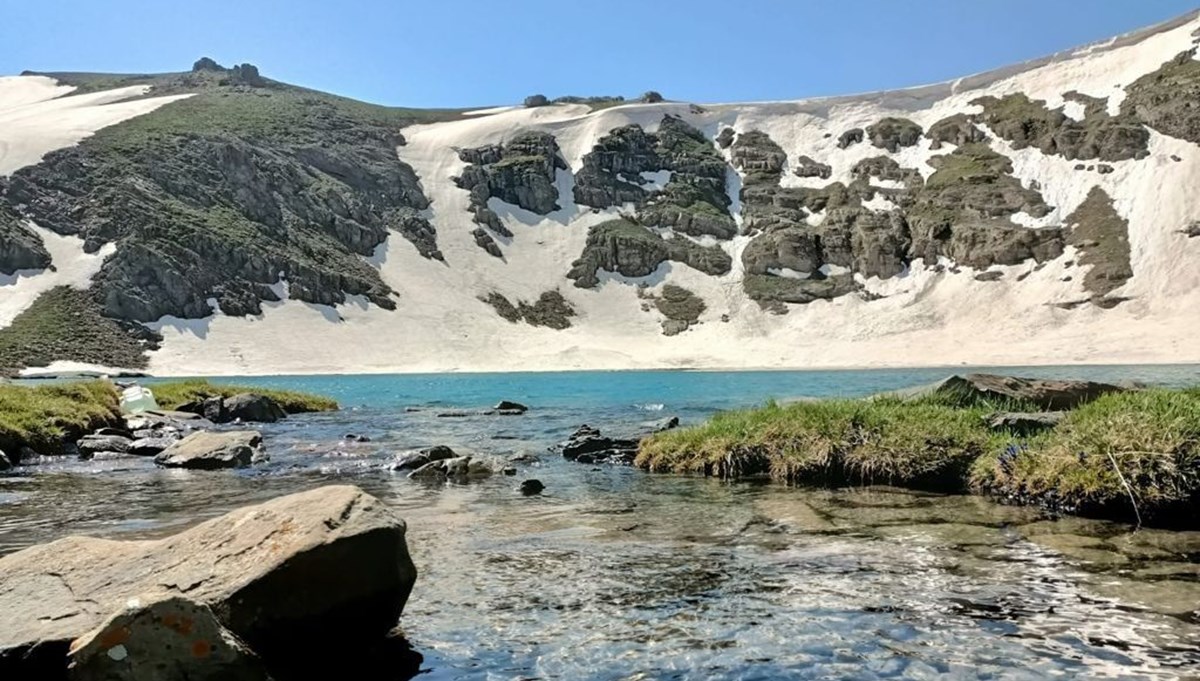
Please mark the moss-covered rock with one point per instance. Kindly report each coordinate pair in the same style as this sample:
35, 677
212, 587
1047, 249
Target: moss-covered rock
886, 168
629, 249
771, 292
520, 172
1102, 237
680, 307
1168, 99
1029, 123
67, 324
550, 310
894, 133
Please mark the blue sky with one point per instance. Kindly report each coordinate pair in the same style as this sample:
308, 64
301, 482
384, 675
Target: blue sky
478, 52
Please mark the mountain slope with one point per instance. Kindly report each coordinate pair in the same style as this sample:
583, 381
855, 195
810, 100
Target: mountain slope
1039, 214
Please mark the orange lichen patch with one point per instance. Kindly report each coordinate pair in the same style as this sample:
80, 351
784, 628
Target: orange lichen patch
201, 648
178, 623
114, 637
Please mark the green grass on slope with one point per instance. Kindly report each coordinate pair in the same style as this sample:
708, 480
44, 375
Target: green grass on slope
44, 418
172, 394
66, 324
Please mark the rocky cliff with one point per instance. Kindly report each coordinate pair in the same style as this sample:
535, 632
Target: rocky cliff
1036, 214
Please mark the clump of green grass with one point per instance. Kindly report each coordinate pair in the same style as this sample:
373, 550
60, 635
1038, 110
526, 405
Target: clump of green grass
173, 394
1132, 455
831, 442
45, 418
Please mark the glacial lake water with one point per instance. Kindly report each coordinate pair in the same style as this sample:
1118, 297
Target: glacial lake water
613, 573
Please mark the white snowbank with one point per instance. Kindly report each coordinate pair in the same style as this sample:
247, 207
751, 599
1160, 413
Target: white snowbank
71, 266
36, 116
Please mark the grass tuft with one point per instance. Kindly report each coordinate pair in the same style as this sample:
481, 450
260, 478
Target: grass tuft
171, 395
45, 418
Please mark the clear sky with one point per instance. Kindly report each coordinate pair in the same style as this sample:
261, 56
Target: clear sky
479, 52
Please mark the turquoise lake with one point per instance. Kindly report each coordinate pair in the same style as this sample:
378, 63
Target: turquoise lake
613, 573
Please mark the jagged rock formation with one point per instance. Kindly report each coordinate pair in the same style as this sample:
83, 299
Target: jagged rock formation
520, 172
221, 195
693, 201
886, 168
958, 130
1028, 123
1102, 237
964, 211
894, 133
550, 310
20, 249
632, 250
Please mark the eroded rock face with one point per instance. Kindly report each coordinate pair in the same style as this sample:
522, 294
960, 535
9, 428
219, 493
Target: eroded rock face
850, 138
20, 249
1028, 123
201, 216
806, 166
1166, 99
325, 571
629, 249
693, 201
680, 307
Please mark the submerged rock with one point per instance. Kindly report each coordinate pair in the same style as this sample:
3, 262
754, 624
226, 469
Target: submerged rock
163, 637
415, 460
210, 451
507, 406
326, 572
531, 487
458, 469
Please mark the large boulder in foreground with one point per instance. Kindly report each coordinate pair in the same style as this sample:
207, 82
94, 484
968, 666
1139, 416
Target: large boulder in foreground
324, 571
253, 407
1044, 393
163, 637
207, 451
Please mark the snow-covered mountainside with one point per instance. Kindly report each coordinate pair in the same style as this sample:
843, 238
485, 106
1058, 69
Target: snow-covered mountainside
228, 224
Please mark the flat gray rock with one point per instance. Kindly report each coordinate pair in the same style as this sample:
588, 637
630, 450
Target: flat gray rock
323, 570
213, 450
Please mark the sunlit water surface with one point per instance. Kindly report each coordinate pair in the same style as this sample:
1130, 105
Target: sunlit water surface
616, 574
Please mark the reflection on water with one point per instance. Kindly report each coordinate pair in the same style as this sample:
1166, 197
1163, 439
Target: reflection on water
614, 574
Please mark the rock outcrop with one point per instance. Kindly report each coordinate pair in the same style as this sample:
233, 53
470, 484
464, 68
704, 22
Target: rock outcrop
520, 172
893, 133
625, 248
693, 201
1102, 237
229, 192
20, 249
680, 308
588, 445
1042, 393
325, 571
1166, 98
958, 130
550, 310
1028, 123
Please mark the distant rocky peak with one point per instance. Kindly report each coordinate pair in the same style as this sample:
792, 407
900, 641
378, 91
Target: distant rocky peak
207, 64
